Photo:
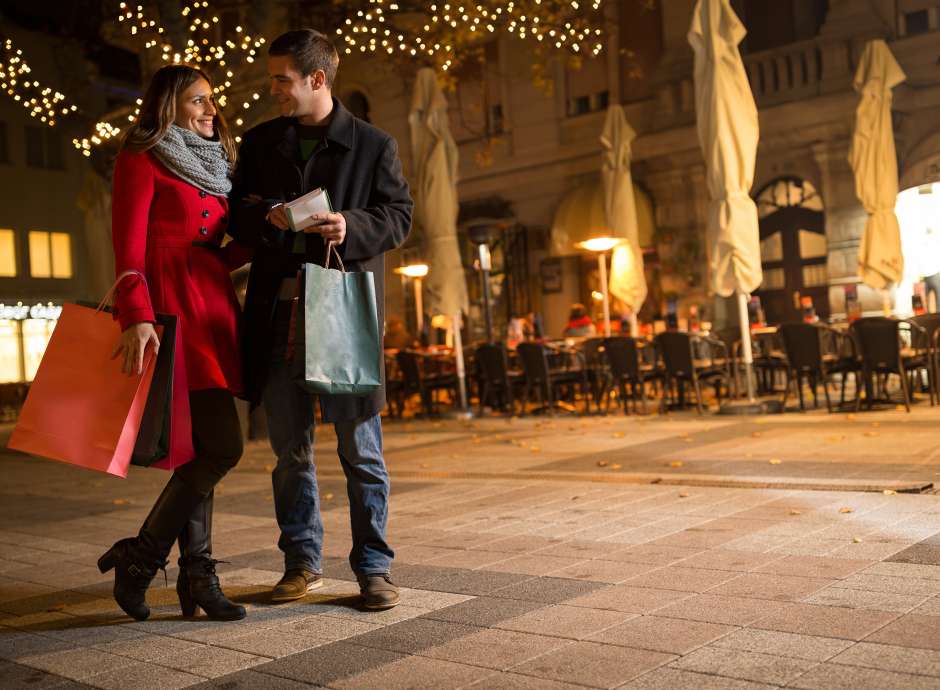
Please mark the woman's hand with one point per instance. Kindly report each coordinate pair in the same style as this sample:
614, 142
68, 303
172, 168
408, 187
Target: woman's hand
133, 344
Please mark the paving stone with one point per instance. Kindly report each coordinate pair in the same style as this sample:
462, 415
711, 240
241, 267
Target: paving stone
682, 579
611, 572
150, 647
926, 572
894, 585
652, 554
925, 662
325, 627
252, 680
711, 608
212, 662
814, 566
329, 663
77, 664
674, 679
144, 676
734, 663
483, 611
413, 673
809, 647
910, 631
824, 621
19, 677
476, 582
931, 607
629, 599
670, 635
547, 590
832, 676
515, 681
414, 636
534, 565
726, 559
272, 643
494, 648
565, 621
863, 599
770, 586
590, 663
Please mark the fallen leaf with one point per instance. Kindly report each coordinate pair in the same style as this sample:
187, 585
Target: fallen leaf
857, 540
871, 433
56, 607
615, 466
424, 465
846, 509
775, 461
683, 495
120, 502
676, 463
900, 408
889, 492
850, 417
618, 434
412, 437
794, 511
328, 497
602, 463
269, 467
756, 434
535, 449
687, 439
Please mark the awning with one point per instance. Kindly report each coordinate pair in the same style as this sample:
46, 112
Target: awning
580, 216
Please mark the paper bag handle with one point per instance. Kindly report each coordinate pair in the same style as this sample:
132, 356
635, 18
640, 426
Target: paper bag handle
331, 249
108, 299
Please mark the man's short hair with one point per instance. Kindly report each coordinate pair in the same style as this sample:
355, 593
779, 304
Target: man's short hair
310, 50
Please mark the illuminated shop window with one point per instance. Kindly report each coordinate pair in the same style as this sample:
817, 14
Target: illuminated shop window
10, 351
50, 254
36, 334
7, 254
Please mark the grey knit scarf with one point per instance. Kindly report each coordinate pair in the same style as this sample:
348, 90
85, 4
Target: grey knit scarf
201, 162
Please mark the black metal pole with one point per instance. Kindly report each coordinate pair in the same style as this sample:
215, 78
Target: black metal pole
485, 266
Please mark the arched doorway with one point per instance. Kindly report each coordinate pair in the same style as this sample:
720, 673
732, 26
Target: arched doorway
793, 249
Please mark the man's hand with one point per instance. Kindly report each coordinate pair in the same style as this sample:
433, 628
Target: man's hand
133, 343
277, 217
332, 226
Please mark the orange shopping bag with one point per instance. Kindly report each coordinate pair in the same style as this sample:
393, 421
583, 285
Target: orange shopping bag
81, 408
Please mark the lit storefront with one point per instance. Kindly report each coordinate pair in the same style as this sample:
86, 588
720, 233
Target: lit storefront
24, 333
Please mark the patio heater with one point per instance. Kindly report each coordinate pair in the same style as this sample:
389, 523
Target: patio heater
416, 272
481, 236
600, 246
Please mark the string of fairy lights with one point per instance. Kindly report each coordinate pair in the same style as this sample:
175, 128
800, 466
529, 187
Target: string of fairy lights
42, 102
555, 21
565, 24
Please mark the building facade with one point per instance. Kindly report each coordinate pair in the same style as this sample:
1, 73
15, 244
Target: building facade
524, 147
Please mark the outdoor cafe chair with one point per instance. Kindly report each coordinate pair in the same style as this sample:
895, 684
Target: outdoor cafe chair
547, 381
495, 379
925, 342
881, 353
627, 368
417, 380
682, 367
598, 373
807, 356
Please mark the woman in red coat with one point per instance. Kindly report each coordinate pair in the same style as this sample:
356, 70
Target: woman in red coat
169, 217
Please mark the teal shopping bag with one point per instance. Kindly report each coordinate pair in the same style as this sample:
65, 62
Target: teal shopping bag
336, 347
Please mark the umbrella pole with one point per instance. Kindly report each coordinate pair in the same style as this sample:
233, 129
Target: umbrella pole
419, 307
458, 352
746, 350
602, 266
634, 325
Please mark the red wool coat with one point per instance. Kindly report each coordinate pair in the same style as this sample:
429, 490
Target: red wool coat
171, 232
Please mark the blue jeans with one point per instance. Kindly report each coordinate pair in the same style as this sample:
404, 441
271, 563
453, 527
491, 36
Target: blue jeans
289, 411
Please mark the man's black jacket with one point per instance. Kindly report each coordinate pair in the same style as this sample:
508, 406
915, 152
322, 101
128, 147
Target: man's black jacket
358, 164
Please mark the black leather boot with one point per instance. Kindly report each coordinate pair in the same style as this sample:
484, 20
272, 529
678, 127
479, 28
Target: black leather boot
197, 584
136, 560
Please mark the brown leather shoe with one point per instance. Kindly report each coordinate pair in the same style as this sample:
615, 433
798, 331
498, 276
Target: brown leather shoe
295, 584
378, 592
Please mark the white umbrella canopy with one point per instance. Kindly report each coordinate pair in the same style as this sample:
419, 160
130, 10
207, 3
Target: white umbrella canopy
873, 159
627, 280
434, 188
728, 132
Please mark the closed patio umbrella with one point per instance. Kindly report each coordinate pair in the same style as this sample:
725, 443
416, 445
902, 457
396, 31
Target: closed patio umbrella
728, 133
434, 188
873, 159
627, 280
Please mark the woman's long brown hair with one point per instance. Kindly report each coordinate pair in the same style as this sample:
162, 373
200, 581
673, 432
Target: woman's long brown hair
158, 110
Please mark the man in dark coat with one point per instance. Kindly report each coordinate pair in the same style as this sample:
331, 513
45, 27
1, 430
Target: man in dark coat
317, 143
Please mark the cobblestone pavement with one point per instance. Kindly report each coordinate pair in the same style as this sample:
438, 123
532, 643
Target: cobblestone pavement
640, 552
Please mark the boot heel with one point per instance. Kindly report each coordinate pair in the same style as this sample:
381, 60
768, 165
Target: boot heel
107, 561
187, 605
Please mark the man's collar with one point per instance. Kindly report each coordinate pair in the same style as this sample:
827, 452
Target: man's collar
339, 130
